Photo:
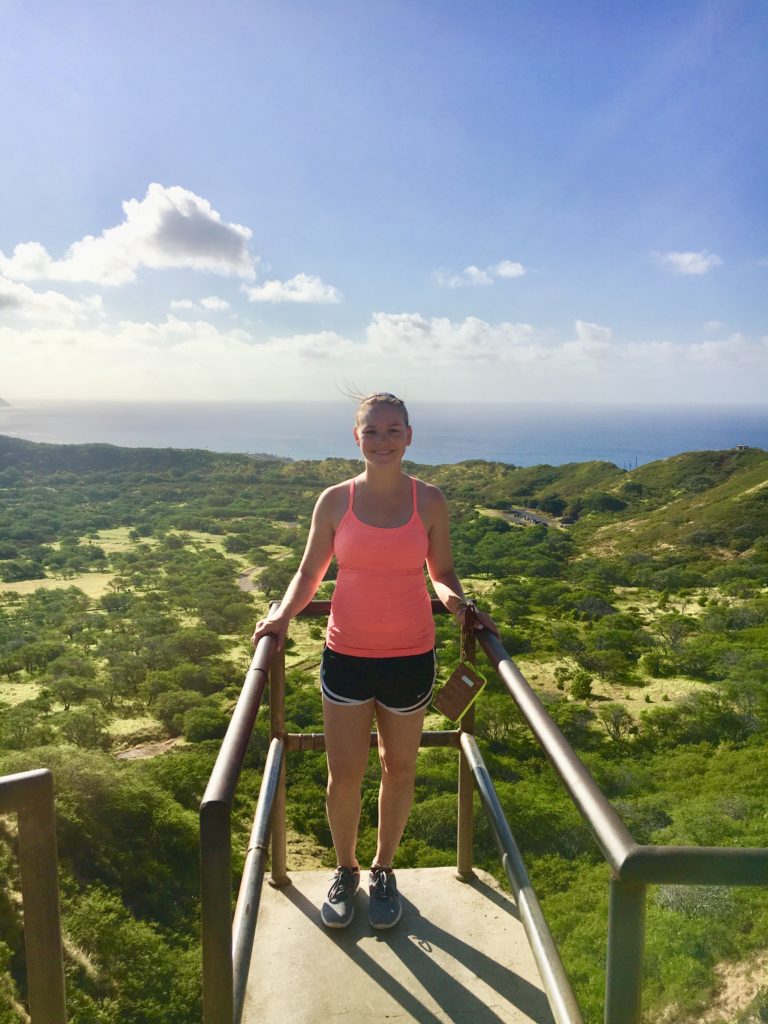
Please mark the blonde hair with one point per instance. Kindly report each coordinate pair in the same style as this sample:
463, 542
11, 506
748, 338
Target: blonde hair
365, 402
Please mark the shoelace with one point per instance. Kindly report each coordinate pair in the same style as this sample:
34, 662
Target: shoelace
380, 885
342, 886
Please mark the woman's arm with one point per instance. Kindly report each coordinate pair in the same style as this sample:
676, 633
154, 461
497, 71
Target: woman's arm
309, 575
440, 562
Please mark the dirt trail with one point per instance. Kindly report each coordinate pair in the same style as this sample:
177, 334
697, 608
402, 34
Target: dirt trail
149, 749
245, 580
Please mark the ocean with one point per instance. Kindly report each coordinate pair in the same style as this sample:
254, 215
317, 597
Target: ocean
522, 435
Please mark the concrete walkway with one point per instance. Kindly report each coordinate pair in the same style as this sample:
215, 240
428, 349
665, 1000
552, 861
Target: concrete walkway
459, 954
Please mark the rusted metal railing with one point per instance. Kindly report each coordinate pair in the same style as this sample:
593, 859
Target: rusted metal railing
633, 867
228, 940
562, 1000
29, 795
216, 844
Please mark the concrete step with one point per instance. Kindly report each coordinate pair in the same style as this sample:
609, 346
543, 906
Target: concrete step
459, 954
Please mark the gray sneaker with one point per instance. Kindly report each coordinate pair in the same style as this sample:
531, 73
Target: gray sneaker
339, 907
384, 907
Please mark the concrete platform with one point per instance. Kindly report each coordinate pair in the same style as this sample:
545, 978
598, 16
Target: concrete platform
459, 954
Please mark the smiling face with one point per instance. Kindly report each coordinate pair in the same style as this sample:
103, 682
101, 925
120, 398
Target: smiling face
382, 434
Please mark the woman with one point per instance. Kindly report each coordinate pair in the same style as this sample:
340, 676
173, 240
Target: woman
382, 526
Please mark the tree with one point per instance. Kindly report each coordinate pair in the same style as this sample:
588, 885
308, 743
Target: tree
567, 639
205, 722
192, 644
69, 690
170, 708
21, 569
85, 726
274, 578
616, 721
21, 726
671, 631
37, 656
581, 685
553, 504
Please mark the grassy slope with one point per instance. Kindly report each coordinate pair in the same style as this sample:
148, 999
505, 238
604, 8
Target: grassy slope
685, 494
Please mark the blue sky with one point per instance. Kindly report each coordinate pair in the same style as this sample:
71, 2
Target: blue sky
523, 201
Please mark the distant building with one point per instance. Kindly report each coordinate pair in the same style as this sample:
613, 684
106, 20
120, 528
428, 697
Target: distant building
742, 447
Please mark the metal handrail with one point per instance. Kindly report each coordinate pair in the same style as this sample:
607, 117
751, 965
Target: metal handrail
216, 843
556, 984
633, 866
30, 796
612, 835
249, 896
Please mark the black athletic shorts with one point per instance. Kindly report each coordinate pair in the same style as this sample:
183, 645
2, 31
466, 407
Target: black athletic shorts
402, 685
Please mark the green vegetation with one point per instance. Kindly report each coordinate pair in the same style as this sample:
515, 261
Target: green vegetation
129, 580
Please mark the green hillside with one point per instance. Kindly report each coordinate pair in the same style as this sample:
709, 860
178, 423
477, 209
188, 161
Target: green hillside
129, 582
710, 500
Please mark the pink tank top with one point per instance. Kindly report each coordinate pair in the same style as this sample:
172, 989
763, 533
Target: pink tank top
380, 607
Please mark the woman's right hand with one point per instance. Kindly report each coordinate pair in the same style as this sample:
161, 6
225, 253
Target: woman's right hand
271, 626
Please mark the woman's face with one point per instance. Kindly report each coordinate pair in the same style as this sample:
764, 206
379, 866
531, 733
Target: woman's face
381, 434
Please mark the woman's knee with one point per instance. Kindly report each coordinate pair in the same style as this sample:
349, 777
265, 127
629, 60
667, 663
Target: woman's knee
343, 777
399, 766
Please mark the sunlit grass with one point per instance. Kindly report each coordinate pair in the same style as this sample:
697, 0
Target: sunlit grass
17, 693
210, 540
116, 539
94, 584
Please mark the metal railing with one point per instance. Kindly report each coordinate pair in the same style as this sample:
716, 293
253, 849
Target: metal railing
228, 939
30, 796
227, 944
216, 849
633, 866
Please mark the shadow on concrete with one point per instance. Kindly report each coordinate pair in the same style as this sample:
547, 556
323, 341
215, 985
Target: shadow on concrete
413, 942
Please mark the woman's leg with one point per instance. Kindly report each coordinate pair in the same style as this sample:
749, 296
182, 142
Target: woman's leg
347, 745
399, 737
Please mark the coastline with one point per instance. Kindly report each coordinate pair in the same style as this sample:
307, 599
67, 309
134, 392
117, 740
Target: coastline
444, 433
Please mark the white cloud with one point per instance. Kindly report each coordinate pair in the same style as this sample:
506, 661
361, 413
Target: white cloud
170, 227
190, 359
736, 349
689, 262
473, 275
508, 268
300, 288
413, 336
20, 301
321, 345
212, 304
427, 358
593, 341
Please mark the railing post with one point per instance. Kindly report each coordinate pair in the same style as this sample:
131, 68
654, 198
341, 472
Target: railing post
465, 831
216, 843
34, 805
279, 873
626, 940
216, 893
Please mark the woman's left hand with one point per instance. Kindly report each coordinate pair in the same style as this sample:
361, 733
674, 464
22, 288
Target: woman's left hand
482, 620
